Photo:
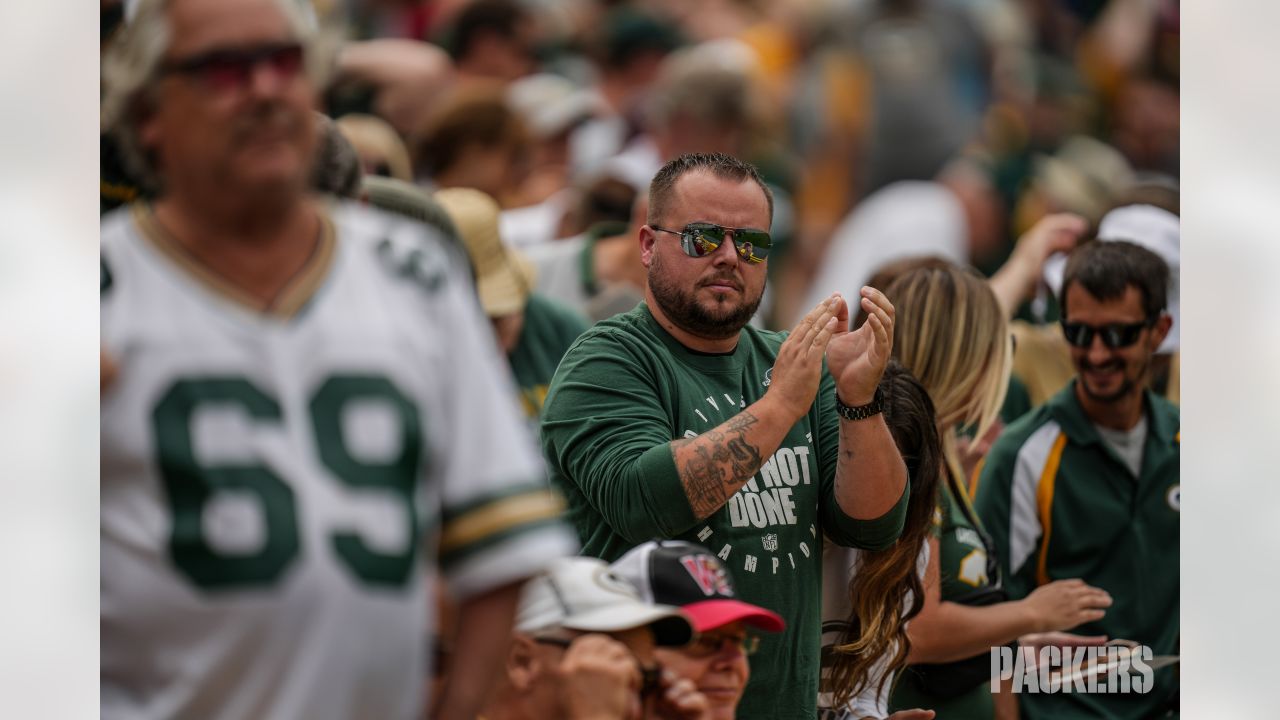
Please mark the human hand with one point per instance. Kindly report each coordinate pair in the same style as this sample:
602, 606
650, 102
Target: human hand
1064, 604
1056, 233
914, 714
857, 359
599, 679
678, 699
1035, 641
797, 371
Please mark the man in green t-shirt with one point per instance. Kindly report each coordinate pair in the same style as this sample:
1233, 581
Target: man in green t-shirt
678, 420
1087, 485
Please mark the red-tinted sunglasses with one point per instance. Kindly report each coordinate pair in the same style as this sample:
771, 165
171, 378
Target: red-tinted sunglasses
227, 69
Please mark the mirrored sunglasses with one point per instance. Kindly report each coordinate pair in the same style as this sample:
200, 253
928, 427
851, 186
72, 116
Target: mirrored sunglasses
700, 239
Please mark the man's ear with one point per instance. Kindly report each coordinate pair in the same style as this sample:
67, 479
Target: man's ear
523, 665
1160, 330
648, 237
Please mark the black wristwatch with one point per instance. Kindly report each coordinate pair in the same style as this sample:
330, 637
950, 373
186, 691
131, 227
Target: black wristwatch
861, 412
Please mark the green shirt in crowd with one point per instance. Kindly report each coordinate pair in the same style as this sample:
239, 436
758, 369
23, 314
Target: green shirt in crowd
549, 329
964, 572
1060, 503
624, 391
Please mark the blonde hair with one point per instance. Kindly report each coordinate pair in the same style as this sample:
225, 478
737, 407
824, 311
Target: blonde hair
131, 67
951, 333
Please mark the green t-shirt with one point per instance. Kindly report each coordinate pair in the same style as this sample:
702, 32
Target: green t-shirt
549, 329
963, 570
1059, 503
624, 391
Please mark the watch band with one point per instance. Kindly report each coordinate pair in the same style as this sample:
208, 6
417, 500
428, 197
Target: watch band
861, 412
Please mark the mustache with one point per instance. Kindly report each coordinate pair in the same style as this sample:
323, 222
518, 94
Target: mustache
729, 280
1104, 366
269, 116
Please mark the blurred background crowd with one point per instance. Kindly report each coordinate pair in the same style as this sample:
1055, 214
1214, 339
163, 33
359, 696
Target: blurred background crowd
944, 127
987, 133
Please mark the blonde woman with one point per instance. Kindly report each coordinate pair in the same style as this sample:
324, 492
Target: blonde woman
952, 334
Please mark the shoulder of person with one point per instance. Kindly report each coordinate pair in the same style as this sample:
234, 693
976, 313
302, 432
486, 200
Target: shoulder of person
406, 250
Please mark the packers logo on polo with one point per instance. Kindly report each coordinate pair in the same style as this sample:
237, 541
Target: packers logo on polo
1174, 498
708, 573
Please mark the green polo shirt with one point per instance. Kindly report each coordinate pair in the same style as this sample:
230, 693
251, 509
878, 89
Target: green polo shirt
623, 392
1059, 503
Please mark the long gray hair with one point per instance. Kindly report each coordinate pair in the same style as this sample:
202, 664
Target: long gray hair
131, 66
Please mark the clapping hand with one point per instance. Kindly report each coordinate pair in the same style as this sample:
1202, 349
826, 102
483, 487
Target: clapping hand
857, 358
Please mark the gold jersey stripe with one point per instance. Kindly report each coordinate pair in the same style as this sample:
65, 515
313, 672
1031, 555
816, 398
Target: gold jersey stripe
1044, 500
499, 516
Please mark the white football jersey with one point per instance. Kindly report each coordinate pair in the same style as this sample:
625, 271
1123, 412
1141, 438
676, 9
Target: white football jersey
278, 488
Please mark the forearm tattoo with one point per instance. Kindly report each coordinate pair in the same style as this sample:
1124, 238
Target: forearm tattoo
715, 464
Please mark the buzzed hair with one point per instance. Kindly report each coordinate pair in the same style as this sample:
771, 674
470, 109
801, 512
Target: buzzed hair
725, 167
1104, 268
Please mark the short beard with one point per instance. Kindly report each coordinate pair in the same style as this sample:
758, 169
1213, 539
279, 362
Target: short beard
681, 307
1125, 390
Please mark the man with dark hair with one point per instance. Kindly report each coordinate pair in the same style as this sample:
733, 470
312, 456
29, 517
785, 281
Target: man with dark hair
492, 39
677, 420
1087, 486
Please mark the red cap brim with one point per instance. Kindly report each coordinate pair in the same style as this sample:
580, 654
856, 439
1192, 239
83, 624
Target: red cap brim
711, 614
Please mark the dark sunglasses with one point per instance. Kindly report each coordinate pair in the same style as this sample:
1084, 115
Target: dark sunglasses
1114, 335
700, 239
227, 69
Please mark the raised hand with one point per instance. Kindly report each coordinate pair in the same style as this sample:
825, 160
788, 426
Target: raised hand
857, 358
797, 371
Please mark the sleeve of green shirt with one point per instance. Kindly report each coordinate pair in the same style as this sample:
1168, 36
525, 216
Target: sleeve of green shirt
993, 503
604, 430
874, 534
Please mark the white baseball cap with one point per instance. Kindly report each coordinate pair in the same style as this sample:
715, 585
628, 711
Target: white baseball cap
583, 593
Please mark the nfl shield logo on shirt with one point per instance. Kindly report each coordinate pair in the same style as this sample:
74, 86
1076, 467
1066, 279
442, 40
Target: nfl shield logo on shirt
770, 541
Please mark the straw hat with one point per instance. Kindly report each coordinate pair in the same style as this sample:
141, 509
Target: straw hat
504, 278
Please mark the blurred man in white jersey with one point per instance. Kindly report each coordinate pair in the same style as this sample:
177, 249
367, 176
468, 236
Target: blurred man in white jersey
305, 406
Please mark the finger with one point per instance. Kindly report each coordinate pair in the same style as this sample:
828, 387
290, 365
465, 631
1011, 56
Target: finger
820, 321
881, 334
871, 308
842, 315
823, 338
812, 314
1099, 600
880, 299
1091, 615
